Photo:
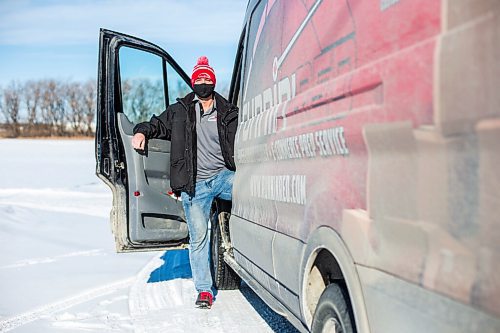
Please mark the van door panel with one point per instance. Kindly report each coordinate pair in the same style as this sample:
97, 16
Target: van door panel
161, 219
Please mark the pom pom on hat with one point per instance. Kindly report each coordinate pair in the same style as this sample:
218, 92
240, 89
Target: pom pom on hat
202, 69
202, 61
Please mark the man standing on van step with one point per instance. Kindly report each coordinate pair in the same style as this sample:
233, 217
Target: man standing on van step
201, 127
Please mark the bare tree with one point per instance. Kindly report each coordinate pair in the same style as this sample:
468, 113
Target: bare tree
11, 107
2, 127
1, 104
147, 98
75, 100
53, 107
47, 106
141, 104
89, 106
127, 90
61, 109
142, 98
32, 96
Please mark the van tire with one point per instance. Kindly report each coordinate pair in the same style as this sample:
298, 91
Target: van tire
333, 310
224, 277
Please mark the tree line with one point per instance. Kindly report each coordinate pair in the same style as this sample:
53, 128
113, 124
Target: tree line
48, 108
45, 108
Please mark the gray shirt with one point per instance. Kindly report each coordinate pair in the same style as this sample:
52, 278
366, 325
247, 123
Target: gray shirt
209, 155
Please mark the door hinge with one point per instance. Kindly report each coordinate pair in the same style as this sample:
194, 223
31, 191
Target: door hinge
119, 165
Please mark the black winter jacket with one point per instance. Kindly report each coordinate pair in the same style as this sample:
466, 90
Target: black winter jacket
178, 124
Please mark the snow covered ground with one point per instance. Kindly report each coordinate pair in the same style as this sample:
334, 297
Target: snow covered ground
58, 268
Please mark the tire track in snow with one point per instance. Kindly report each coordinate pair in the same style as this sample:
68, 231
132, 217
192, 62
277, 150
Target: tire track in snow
13, 322
46, 260
58, 200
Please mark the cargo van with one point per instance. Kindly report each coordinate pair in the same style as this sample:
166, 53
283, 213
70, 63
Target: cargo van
367, 193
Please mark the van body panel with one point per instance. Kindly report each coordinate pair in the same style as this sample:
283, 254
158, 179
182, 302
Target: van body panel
375, 119
395, 305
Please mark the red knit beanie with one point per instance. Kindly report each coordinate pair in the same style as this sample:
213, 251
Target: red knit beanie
202, 70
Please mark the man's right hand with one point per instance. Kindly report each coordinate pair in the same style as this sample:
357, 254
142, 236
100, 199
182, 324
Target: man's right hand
138, 141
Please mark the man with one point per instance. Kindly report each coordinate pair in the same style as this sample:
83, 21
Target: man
201, 127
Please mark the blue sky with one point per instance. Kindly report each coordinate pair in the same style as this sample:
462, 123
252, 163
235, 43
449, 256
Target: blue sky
59, 39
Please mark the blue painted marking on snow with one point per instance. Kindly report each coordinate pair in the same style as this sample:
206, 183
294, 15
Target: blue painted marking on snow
176, 266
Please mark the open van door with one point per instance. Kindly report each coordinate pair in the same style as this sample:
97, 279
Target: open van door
137, 79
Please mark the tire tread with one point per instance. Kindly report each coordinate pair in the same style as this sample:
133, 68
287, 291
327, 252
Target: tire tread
225, 278
334, 302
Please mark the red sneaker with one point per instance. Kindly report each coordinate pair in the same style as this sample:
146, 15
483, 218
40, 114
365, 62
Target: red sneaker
204, 300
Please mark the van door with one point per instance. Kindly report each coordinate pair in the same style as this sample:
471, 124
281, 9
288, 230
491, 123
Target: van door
137, 79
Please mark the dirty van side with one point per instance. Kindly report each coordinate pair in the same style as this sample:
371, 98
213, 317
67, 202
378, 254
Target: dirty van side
365, 193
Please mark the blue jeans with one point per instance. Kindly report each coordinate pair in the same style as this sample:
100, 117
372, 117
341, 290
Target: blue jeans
197, 209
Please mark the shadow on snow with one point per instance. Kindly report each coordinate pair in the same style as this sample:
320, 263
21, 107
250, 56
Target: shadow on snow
175, 266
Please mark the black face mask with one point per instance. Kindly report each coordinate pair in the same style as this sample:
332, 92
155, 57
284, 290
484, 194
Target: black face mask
203, 90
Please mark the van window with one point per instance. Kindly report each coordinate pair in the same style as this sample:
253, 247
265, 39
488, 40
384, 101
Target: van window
177, 87
253, 28
234, 89
255, 21
141, 83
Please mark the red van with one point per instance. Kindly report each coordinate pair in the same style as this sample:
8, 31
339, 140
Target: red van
367, 190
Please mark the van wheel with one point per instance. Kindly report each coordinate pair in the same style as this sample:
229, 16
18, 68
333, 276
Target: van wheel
333, 313
223, 276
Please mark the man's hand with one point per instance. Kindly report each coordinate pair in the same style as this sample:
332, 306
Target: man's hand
138, 141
